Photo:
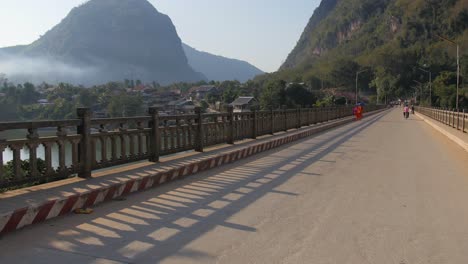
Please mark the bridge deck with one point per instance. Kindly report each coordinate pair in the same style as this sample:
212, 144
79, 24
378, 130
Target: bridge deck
383, 190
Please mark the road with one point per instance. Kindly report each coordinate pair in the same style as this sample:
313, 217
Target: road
382, 190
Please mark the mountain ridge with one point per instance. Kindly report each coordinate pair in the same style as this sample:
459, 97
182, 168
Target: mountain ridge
220, 68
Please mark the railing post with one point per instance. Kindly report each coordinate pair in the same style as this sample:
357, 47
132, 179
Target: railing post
200, 134
84, 147
458, 119
445, 116
155, 136
230, 132
254, 123
453, 117
463, 120
33, 136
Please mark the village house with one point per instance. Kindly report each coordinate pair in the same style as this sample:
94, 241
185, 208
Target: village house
200, 92
182, 106
245, 104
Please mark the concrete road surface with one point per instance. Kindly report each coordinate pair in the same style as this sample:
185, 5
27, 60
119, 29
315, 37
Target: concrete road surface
382, 190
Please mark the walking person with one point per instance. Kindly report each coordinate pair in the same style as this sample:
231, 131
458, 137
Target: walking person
360, 110
406, 112
355, 112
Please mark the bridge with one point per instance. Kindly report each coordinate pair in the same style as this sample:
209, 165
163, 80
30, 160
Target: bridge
321, 188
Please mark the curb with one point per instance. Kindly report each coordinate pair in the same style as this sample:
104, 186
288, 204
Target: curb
34, 214
450, 136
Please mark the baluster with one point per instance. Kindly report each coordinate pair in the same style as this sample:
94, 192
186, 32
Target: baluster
172, 133
140, 138
299, 118
75, 154
94, 161
272, 122
153, 142
18, 172
230, 134
190, 132
114, 148
238, 127
123, 142
165, 138
84, 129
132, 146
464, 120
61, 153
103, 140
104, 158
200, 133
184, 135
177, 129
208, 132
254, 123
214, 136
123, 147
32, 145
2, 166
285, 118
453, 118
48, 158
61, 143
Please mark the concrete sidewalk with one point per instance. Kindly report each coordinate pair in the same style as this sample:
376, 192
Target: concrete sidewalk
39, 203
457, 136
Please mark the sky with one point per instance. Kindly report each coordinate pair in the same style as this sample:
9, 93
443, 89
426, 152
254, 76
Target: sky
262, 32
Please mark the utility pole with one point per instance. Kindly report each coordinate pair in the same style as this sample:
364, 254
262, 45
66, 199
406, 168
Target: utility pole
430, 84
420, 87
357, 79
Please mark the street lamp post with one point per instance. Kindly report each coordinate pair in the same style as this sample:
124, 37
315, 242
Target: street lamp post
458, 62
357, 78
430, 85
420, 87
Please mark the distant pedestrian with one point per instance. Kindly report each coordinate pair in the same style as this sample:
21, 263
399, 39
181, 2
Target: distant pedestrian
406, 112
360, 110
355, 112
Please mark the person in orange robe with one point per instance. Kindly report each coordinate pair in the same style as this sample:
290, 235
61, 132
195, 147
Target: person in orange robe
355, 112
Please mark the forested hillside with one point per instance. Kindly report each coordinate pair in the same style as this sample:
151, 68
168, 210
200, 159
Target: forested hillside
394, 40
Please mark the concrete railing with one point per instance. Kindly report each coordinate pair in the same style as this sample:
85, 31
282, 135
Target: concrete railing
100, 143
457, 119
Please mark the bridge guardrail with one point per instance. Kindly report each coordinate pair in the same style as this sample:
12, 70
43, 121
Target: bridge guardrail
102, 143
457, 119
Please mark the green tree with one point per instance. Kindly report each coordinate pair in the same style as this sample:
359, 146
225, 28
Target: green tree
444, 89
87, 98
344, 73
298, 95
271, 95
125, 106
